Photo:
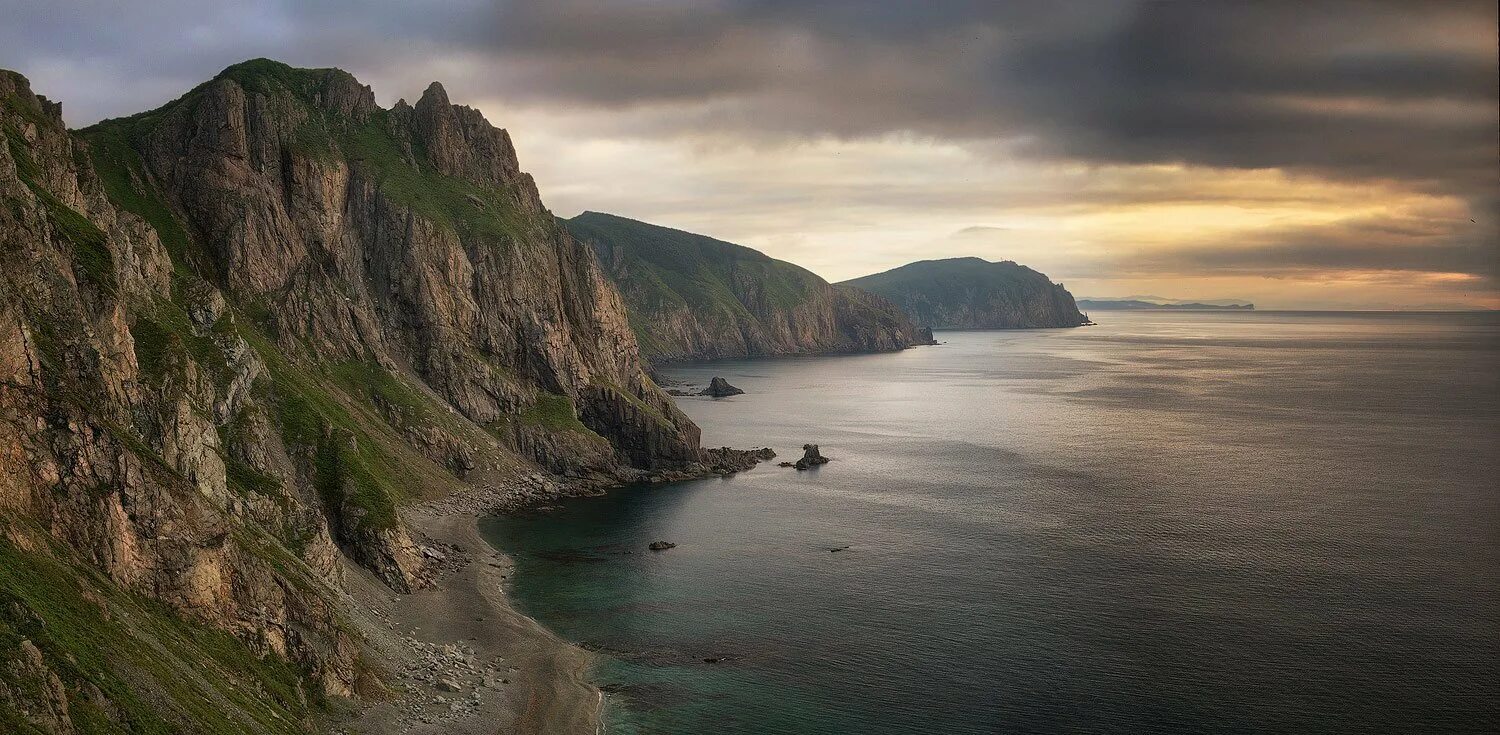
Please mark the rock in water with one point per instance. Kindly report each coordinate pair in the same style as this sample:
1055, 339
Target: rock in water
924, 336
810, 457
720, 388
661, 545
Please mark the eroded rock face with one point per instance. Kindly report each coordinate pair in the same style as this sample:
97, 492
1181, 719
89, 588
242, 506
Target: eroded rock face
237, 331
406, 237
109, 441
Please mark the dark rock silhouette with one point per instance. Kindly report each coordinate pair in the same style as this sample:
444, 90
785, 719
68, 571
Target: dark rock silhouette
810, 457
661, 545
720, 388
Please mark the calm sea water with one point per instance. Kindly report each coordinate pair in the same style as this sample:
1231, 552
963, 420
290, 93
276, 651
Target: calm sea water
1173, 521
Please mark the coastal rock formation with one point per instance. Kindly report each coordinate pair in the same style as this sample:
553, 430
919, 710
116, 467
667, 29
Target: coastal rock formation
692, 297
661, 545
811, 457
237, 333
720, 388
970, 293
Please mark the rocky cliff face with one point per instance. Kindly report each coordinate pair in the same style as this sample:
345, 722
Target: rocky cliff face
970, 293
236, 334
692, 297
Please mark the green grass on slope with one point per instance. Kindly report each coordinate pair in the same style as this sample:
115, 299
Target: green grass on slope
125, 183
555, 413
159, 673
361, 475
695, 270
163, 327
91, 255
459, 205
664, 270
358, 459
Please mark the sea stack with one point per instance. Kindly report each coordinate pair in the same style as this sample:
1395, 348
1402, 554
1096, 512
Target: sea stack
720, 388
810, 457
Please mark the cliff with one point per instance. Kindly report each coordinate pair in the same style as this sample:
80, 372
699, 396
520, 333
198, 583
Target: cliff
970, 293
237, 334
692, 297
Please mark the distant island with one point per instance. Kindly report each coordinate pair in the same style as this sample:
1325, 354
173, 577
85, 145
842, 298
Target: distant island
972, 293
1142, 304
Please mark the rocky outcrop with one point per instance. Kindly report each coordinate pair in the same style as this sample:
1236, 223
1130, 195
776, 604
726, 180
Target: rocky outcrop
237, 333
121, 383
692, 297
720, 388
970, 293
811, 457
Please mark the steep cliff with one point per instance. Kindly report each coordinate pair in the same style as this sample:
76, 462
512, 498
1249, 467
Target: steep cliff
692, 297
970, 293
237, 333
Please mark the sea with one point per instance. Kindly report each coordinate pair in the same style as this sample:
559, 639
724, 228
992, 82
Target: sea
1170, 522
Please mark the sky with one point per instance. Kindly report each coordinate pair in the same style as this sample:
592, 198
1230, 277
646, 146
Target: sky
1295, 154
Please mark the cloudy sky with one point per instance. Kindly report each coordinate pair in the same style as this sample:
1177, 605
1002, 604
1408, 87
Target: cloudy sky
1299, 154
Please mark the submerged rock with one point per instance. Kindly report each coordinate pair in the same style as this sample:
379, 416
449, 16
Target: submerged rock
661, 545
810, 457
720, 388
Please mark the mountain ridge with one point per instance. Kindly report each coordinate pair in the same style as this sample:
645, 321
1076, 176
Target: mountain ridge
694, 297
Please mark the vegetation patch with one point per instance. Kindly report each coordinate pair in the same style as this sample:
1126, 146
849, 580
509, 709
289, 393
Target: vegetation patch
152, 343
352, 470
160, 673
459, 205
163, 329
123, 175
555, 413
93, 262
90, 253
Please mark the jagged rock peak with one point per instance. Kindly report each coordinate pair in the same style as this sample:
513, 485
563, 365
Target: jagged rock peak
435, 94
17, 88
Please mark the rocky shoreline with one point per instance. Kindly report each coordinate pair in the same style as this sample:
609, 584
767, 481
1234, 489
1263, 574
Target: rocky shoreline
461, 658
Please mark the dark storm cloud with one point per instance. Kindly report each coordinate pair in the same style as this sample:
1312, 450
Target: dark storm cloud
1366, 91
1347, 89
1359, 90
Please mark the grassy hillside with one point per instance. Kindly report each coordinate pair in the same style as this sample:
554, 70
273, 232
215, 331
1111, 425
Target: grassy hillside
972, 293
694, 297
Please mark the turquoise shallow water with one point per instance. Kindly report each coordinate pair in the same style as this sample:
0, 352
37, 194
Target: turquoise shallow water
1175, 522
